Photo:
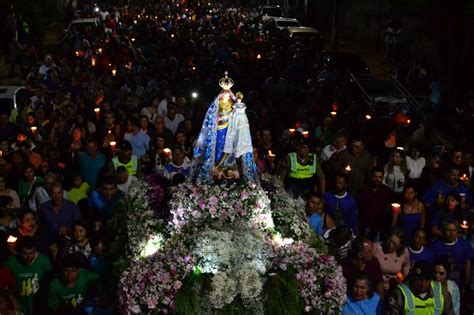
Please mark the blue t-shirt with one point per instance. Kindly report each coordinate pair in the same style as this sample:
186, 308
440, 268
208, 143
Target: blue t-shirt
443, 188
372, 306
426, 254
458, 253
347, 206
91, 168
316, 223
104, 206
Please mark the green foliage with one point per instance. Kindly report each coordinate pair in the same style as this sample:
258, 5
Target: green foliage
187, 299
283, 297
117, 239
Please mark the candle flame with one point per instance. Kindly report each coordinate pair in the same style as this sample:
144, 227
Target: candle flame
11, 239
368, 117
259, 56
348, 168
333, 113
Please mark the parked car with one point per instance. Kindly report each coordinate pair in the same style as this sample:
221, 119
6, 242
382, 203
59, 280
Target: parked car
304, 34
284, 22
271, 12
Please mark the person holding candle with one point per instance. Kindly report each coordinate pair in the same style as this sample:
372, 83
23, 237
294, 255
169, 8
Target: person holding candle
412, 215
442, 187
393, 256
341, 205
458, 251
179, 164
361, 163
450, 209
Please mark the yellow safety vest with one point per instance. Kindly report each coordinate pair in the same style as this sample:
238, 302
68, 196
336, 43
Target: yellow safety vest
131, 166
416, 306
299, 171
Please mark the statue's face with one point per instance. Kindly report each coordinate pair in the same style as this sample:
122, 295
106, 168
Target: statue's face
225, 102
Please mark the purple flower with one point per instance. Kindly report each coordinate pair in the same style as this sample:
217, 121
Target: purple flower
224, 194
213, 200
244, 195
177, 285
202, 204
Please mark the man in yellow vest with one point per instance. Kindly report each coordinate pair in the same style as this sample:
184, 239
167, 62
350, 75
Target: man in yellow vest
301, 170
126, 159
421, 295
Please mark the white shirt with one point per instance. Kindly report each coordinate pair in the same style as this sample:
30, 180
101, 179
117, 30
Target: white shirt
328, 151
173, 124
395, 180
415, 166
163, 106
126, 186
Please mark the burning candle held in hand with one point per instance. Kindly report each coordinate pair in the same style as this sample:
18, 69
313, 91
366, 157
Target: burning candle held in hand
113, 145
33, 130
396, 208
348, 169
465, 225
166, 152
97, 112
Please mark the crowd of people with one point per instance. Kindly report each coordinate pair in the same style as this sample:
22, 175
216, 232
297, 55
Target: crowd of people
125, 100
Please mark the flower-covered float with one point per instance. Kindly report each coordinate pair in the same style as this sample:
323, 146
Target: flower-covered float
226, 242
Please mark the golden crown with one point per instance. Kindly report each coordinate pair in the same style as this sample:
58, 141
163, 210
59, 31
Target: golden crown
226, 83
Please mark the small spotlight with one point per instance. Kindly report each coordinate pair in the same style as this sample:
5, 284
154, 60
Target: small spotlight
194, 95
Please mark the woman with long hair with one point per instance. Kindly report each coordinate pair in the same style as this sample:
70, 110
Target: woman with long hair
412, 215
394, 258
396, 171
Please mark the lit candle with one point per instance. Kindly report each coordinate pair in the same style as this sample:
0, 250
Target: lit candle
464, 225
400, 148
113, 144
93, 62
306, 134
11, 239
97, 112
396, 208
99, 50
114, 72
270, 154
133, 39
109, 132
408, 121
259, 56
77, 53
333, 113
166, 152
1, 153
348, 169
292, 131
33, 130
172, 35
463, 177
368, 117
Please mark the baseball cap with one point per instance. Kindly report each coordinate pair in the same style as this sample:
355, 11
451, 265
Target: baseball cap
423, 270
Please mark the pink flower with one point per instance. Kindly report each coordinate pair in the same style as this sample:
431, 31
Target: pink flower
177, 285
224, 194
212, 210
244, 195
243, 212
196, 214
202, 204
152, 303
213, 200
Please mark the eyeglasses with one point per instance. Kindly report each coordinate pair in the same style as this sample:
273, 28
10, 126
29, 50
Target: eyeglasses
394, 242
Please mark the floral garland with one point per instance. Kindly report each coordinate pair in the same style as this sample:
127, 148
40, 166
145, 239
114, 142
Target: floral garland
150, 285
193, 206
288, 213
143, 227
320, 279
226, 234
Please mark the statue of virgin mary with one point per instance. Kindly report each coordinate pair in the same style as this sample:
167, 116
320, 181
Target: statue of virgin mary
224, 145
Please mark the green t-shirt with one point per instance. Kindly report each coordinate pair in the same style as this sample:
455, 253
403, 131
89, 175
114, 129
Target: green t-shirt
61, 296
77, 194
30, 280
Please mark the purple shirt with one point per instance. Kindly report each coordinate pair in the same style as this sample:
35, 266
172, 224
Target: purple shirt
67, 215
458, 253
